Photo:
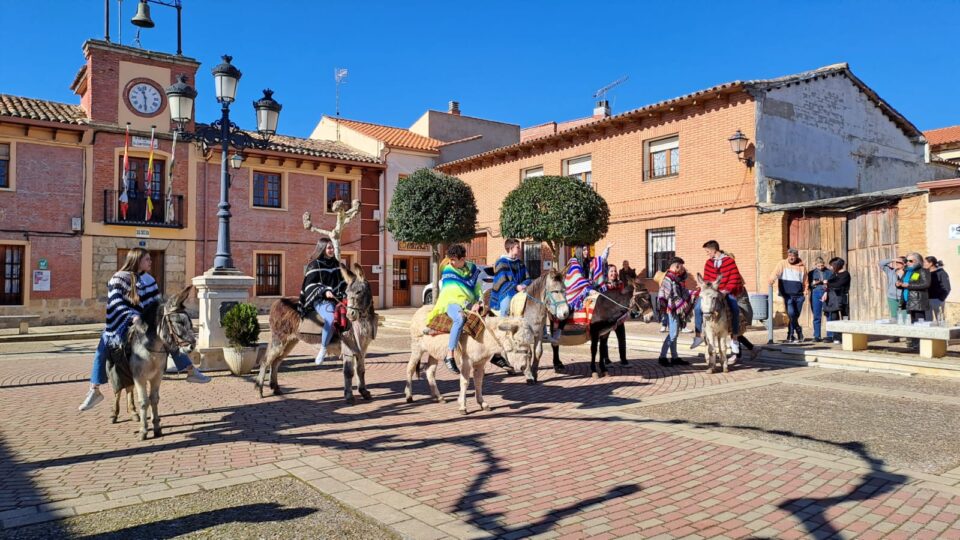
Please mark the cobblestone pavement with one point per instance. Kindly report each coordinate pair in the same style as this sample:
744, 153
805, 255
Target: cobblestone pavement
572, 457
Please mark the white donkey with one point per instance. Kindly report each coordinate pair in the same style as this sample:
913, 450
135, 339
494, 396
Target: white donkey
716, 323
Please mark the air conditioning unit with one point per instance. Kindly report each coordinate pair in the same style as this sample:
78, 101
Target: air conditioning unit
76, 224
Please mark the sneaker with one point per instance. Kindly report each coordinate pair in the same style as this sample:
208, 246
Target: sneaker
817, 340
663, 361
790, 340
735, 347
837, 341
799, 336
321, 356
197, 376
679, 362
663, 328
93, 397
451, 365
500, 362
697, 341
686, 331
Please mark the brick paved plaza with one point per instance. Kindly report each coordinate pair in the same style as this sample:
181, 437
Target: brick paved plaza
761, 452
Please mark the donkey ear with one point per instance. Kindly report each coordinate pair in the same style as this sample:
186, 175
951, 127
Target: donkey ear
178, 299
716, 282
511, 327
358, 270
700, 281
347, 274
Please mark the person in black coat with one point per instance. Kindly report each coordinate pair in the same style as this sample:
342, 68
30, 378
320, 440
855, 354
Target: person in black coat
939, 287
323, 287
837, 297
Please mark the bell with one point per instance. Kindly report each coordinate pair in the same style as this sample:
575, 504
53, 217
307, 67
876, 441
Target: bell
142, 18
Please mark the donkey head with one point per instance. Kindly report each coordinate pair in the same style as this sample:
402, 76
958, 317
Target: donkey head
175, 328
359, 296
711, 300
555, 295
642, 304
518, 341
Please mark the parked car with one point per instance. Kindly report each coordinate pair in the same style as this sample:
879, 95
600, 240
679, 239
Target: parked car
487, 278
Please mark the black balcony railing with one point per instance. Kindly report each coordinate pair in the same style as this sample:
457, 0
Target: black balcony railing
665, 170
137, 210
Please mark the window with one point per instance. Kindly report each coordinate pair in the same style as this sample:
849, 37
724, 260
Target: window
661, 247
11, 280
269, 273
580, 167
138, 183
4, 165
532, 172
266, 190
533, 259
338, 190
421, 270
663, 157
347, 259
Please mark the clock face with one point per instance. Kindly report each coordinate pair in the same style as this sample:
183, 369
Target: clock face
145, 98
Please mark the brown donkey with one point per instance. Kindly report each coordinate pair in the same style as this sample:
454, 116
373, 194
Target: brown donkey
285, 330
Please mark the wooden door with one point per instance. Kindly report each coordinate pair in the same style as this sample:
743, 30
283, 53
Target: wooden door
817, 236
872, 235
401, 281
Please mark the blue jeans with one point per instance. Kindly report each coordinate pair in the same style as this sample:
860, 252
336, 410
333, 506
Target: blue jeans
734, 314
671, 340
325, 309
455, 312
99, 375
794, 305
816, 301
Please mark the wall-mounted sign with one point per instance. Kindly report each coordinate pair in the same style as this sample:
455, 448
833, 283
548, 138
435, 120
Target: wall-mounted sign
42, 264
954, 233
144, 142
143, 233
410, 246
41, 280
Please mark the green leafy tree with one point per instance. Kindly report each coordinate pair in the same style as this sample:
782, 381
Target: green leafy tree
432, 208
558, 210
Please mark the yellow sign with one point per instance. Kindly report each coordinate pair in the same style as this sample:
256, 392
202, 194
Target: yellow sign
410, 246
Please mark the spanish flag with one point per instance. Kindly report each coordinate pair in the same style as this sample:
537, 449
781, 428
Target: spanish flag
149, 178
124, 199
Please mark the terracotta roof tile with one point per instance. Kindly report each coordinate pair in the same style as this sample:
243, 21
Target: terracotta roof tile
943, 135
393, 136
40, 109
317, 148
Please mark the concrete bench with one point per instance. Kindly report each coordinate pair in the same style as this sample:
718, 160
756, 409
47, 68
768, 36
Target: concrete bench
933, 339
23, 321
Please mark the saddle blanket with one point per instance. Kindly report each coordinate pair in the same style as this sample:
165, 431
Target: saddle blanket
585, 315
517, 303
442, 323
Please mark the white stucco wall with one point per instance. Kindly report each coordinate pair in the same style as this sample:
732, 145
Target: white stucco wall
451, 127
826, 138
401, 162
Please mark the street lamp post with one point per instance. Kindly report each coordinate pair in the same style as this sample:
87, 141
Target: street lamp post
226, 134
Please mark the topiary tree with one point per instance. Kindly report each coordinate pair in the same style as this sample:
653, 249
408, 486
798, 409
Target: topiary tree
557, 210
429, 207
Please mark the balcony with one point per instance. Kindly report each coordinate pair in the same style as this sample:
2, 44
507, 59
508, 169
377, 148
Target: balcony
136, 210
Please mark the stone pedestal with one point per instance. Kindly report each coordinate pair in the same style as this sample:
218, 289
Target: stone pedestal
217, 292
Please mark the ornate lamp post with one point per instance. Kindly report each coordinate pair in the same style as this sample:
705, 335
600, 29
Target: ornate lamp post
226, 134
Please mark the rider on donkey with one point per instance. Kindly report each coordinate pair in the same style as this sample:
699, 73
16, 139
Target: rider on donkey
510, 277
731, 284
460, 289
578, 286
323, 287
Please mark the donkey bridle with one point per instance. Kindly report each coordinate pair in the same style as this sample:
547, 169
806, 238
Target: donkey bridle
165, 322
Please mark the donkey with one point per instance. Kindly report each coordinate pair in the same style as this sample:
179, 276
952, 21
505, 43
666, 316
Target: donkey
285, 332
610, 309
716, 323
546, 299
508, 336
163, 329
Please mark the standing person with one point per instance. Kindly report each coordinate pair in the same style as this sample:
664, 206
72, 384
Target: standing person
460, 289
893, 270
129, 292
323, 288
615, 283
939, 288
674, 299
510, 277
790, 275
817, 285
914, 289
731, 284
627, 273
837, 298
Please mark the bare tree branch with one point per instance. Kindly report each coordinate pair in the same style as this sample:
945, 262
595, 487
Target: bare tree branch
344, 216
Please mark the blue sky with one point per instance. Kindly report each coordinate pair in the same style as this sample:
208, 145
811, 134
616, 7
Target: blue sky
524, 62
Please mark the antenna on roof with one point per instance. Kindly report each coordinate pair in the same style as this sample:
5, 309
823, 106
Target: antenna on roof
340, 76
602, 93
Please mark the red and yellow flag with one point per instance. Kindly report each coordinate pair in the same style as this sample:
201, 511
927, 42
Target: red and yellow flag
148, 192
124, 199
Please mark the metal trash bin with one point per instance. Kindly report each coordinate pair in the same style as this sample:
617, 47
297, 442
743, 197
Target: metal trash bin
759, 304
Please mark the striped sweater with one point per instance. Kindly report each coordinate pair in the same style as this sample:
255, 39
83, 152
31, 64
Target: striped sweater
120, 310
322, 275
577, 286
508, 274
723, 265
462, 287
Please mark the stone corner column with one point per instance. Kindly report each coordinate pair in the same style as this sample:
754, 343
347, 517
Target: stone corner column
217, 292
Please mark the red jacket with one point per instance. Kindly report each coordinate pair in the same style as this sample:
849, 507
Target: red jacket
732, 282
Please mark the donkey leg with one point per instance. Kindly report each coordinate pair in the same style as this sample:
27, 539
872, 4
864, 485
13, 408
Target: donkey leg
155, 404
144, 400
432, 380
362, 377
465, 368
348, 369
116, 406
412, 368
272, 352
131, 404
534, 364
478, 387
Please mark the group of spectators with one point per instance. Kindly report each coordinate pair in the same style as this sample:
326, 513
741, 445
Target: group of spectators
915, 285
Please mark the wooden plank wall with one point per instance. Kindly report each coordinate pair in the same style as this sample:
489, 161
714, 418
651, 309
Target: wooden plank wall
872, 235
817, 236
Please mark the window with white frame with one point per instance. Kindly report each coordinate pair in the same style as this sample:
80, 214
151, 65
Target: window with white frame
663, 157
661, 247
579, 167
532, 172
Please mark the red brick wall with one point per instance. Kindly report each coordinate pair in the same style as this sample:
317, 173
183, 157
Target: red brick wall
711, 181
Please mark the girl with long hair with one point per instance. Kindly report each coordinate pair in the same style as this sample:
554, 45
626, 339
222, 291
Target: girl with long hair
323, 287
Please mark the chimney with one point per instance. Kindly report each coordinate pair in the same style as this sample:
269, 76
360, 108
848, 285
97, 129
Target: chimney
602, 110
454, 108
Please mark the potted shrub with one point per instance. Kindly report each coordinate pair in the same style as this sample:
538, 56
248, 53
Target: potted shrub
242, 330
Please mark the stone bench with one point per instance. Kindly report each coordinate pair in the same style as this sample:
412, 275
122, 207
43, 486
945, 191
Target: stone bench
933, 339
23, 321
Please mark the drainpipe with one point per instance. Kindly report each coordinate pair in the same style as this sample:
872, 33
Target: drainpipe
384, 151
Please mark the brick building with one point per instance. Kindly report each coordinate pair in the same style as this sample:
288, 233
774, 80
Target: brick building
672, 181
60, 178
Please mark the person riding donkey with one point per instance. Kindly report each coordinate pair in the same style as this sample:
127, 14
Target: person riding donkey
460, 289
323, 288
719, 264
510, 277
579, 285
